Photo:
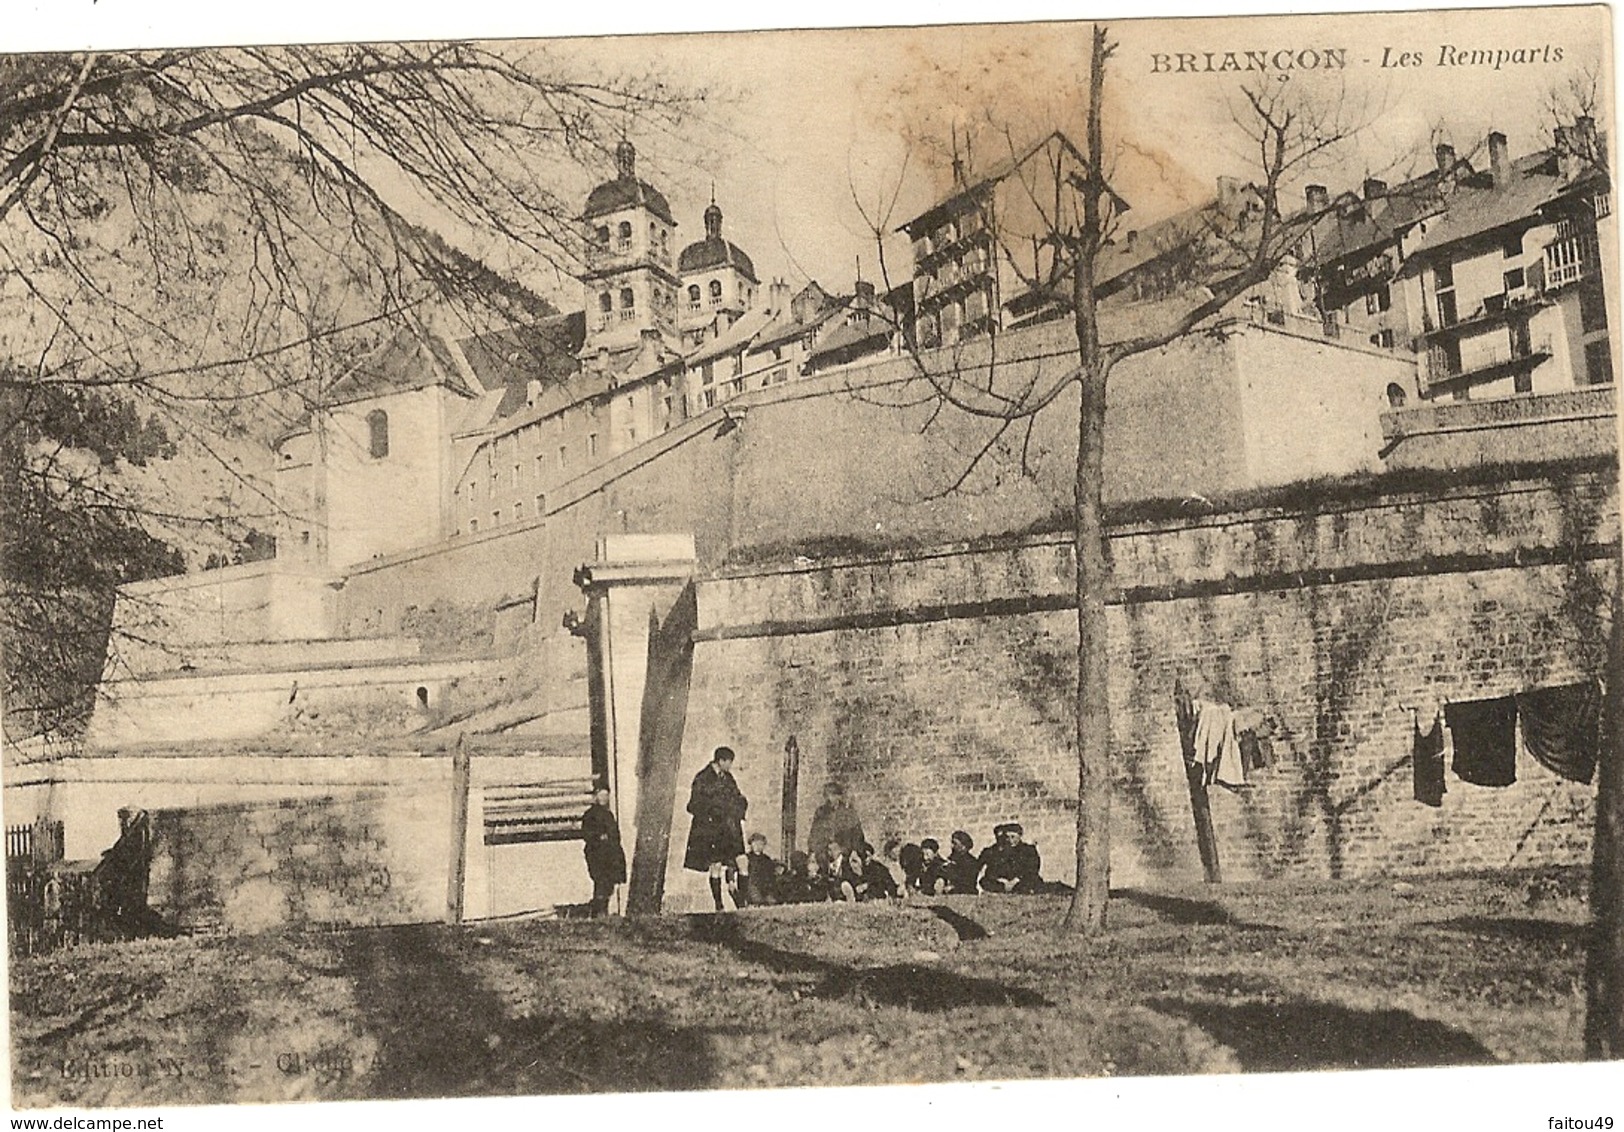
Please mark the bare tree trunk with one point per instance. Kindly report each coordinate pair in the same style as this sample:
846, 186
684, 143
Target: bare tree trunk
1087, 912
1604, 965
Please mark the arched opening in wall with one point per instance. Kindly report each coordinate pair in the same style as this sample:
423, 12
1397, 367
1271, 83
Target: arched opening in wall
422, 699
1396, 395
378, 433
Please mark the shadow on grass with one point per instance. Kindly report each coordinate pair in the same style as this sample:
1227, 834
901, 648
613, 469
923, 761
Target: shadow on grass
1182, 910
963, 926
924, 988
1532, 931
441, 1033
1300, 1034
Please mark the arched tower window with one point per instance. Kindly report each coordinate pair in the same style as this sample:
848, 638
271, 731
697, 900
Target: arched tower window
716, 292
627, 298
625, 234
378, 433
605, 302
693, 295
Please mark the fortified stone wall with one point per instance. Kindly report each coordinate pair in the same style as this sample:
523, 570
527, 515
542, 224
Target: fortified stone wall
939, 685
860, 456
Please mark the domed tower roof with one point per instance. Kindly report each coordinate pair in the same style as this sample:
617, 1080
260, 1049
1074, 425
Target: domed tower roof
714, 251
626, 191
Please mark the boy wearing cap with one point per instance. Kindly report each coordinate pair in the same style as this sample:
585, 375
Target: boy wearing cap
605, 859
1010, 864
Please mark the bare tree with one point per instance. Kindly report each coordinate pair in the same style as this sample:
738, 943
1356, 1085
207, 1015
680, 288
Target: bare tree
1056, 253
193, 243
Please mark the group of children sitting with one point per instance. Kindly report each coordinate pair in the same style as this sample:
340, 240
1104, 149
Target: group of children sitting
856, 873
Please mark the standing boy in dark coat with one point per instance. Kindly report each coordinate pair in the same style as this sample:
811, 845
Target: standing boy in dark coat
716, 838
605, 859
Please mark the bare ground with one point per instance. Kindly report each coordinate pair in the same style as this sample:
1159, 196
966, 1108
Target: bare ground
1326, 975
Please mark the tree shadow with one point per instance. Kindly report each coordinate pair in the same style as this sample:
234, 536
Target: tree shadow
923, 988
1300, 1034
441, 1033
1182, 910
1522, 928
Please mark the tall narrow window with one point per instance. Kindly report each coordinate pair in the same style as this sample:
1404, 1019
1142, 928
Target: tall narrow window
378, 433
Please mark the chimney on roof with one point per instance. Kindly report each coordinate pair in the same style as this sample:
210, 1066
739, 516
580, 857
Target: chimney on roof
1586, 139
803, 307
532, 392
1133, 239
1499, 162
1319, 198
1374, 189
603, 359
1445, 154
777, 296
865, 294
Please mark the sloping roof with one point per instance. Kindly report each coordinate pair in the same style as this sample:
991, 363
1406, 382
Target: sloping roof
511, 358
853, 338
715, 252
1354, 224
626, 192
1473, 211
410, 359
734, 338
1169, 234
818, 306
951, 204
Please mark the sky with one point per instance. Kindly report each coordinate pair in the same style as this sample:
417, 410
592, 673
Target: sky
809, 144
818, 137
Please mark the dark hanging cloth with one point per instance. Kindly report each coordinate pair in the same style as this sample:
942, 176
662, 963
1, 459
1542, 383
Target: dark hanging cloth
1562, 728
1427, 757
1485, 738
1257, 751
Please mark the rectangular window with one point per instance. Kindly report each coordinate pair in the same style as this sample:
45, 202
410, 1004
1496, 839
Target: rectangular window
591, 444
541, 506
1446, 308
1513, 245
1515, 280
1443, 276
518, 512
1592, 308
1598, 363
496, 518
515, 480
708, 373
473, 526
563, 455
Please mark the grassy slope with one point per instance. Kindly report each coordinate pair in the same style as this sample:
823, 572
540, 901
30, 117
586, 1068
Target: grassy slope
1307, 976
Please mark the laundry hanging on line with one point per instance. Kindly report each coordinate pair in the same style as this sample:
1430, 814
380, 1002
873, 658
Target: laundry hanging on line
1226, 743
1561, 727
1427, 759
1484, 734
